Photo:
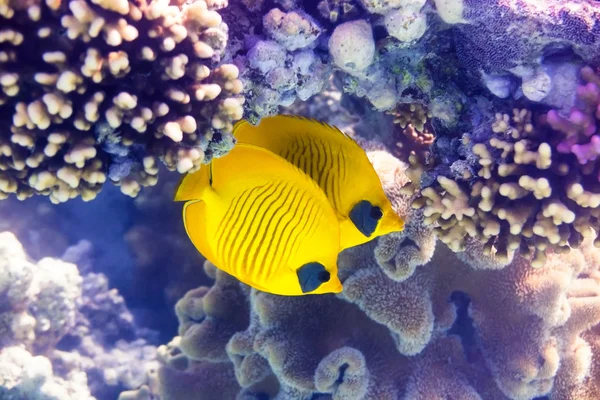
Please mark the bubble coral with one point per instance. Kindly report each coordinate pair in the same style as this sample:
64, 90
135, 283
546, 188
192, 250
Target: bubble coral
97, 91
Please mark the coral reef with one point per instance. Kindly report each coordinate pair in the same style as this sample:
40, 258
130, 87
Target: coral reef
101, 91
281, 65
64, 335
382, 50
490, 102
530, 185
416, 131
415, 321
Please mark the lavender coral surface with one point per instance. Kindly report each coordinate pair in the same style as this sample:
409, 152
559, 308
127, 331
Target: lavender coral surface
65, 335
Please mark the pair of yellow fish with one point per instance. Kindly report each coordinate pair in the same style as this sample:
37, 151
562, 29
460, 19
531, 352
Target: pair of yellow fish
277, 209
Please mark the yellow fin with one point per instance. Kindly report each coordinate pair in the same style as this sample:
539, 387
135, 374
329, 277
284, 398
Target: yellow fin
274, 131
194, 217
195, 186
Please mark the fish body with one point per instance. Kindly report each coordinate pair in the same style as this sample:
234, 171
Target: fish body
337, 164
262, 220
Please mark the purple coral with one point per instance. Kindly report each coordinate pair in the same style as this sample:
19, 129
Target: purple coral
63, 334
580, 127
503, 34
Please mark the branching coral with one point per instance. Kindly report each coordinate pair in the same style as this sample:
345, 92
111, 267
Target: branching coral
416, 133
527, 191
102, 90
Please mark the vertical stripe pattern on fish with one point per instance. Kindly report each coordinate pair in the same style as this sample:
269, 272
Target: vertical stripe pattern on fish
263, 221
337, 164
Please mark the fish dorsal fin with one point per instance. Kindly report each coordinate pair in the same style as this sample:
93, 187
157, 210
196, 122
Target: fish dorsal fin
262, 154
286, 125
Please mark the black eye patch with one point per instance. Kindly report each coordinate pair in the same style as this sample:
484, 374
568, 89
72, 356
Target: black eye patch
376, 213
311, 276
365, 217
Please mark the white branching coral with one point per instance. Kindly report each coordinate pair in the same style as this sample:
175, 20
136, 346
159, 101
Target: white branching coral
103, 90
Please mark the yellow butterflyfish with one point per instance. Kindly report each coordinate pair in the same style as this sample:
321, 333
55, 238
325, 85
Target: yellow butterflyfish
337, 164
257, 217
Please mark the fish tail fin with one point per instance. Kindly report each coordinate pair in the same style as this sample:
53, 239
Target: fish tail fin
195, 186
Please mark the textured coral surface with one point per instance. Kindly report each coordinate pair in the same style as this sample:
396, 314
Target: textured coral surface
97, 91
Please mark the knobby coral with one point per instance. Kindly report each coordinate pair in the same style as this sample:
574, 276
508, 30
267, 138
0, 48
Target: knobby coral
530, 185
96, 91
416, 132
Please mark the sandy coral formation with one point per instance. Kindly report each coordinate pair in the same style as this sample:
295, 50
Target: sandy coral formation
181, 379
101, 91
208, 317
525, 320
23, 375
41, 298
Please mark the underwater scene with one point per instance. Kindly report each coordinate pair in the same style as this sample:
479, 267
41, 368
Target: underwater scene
299, 199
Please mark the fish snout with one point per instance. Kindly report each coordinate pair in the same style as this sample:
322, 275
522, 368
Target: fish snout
391, 222
334, 285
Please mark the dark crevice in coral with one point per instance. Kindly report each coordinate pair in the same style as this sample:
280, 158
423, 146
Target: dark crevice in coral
343, 369
68, 343
408, 242
463, 325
